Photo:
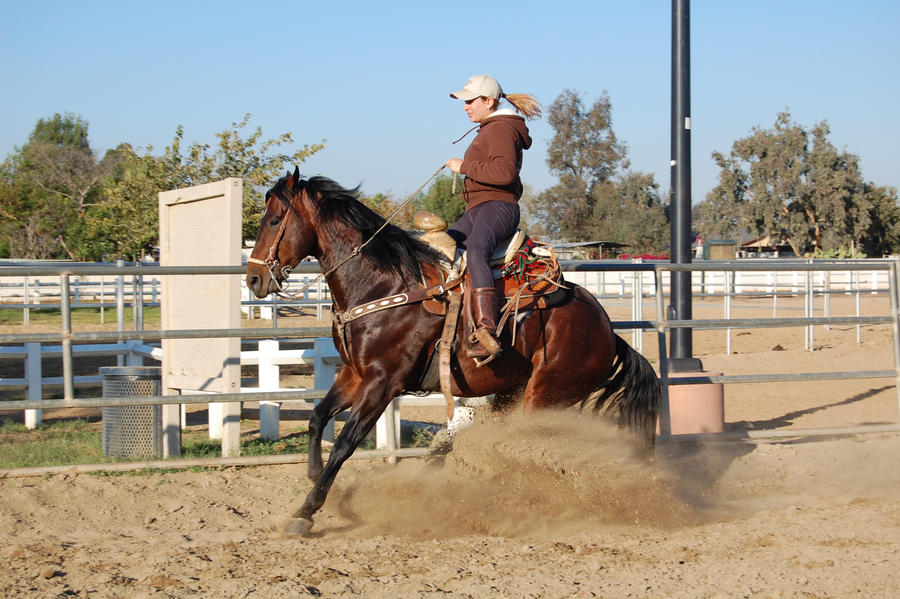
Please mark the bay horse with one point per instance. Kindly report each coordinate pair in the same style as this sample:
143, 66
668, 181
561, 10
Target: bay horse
560, 356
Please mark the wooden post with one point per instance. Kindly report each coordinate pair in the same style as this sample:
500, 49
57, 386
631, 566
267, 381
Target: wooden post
201, 226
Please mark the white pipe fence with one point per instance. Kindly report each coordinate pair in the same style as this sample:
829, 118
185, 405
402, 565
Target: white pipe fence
268, 358
739, 279
39, 292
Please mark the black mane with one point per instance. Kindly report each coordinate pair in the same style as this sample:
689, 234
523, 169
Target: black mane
392, 249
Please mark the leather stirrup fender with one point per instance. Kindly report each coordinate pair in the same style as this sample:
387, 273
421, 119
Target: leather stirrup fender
447, 335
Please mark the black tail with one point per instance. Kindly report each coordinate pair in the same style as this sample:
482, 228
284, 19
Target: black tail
633, 392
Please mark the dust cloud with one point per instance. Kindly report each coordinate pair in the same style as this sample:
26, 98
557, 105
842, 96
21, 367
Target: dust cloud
527, 476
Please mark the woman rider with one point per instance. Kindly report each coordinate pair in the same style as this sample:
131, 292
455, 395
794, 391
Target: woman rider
491, 191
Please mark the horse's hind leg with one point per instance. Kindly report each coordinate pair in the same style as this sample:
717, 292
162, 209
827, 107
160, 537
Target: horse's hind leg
559, 381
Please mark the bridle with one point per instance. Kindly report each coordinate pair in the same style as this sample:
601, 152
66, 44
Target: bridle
271, 262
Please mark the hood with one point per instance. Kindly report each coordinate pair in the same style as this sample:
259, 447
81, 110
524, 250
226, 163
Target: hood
512, 120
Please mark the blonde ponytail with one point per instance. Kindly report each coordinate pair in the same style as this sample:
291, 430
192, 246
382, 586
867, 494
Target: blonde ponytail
525, 104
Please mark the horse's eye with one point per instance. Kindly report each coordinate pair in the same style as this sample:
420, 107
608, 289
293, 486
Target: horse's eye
276, 220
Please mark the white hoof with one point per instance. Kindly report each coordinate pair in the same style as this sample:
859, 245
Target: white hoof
463, 416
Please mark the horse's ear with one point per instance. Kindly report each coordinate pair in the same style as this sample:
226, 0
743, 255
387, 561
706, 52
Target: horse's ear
296, 177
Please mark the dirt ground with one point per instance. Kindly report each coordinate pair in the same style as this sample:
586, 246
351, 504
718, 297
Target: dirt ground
553, 505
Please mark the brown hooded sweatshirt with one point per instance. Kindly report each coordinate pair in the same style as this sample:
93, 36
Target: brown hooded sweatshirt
493, 161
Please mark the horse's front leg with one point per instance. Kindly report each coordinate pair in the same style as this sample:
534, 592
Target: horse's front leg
336, 400
374, 398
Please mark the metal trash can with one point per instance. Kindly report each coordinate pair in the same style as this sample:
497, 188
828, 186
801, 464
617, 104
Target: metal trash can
132, 431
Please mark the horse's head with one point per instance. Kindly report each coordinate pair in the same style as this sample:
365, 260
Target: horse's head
286, 236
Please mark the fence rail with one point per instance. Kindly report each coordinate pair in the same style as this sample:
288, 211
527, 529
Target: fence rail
888, 272
109, 290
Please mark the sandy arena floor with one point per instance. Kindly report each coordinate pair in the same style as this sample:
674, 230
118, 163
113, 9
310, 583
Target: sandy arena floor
550, 506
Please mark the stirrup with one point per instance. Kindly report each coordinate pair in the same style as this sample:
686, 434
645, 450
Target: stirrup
490, 345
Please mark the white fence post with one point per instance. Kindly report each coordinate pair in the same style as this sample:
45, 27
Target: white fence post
26, 293
120, 308
33, 418
216, 416
856, 286
133, 358
637, 305
387, 429
809, 308
323, 375
728, 295
269, 380
772, 279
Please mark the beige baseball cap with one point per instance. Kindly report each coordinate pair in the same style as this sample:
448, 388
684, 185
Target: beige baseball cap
477, 87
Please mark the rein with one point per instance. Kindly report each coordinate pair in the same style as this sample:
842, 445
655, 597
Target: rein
272, 263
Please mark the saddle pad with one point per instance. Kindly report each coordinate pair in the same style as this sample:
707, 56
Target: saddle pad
505, 251
532, 274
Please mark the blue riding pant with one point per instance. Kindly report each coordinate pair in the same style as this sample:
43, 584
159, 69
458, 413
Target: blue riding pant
480, 230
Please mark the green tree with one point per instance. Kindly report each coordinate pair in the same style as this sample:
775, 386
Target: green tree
130, 214
380, 203
530, 220
440, 199
583, 154
51, 183
60, 162
882, 236
253, 158
61, 130
22, 214
721, 214
791, 183
631, 210
596, 196
58, 200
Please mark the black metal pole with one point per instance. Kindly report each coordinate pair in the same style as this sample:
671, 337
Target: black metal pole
681, 349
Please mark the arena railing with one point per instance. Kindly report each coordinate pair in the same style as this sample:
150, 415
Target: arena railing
661, 325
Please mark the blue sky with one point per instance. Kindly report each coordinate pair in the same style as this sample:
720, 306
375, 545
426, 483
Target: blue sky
372, 78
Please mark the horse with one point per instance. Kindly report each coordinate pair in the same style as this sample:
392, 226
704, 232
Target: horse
560, 356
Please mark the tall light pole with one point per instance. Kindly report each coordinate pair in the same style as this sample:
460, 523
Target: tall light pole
681, 349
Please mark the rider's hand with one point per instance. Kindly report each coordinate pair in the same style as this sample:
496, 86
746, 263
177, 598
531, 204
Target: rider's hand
453, 164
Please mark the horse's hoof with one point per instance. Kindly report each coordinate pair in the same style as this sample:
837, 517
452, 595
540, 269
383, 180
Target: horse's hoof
297, 527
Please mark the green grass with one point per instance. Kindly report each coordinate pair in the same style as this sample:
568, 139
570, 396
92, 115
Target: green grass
80, 316
199, 445
56, 444
68, 442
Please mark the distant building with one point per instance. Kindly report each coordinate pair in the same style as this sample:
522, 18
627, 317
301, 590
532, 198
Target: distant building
766, 247
716, 249
586, 250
